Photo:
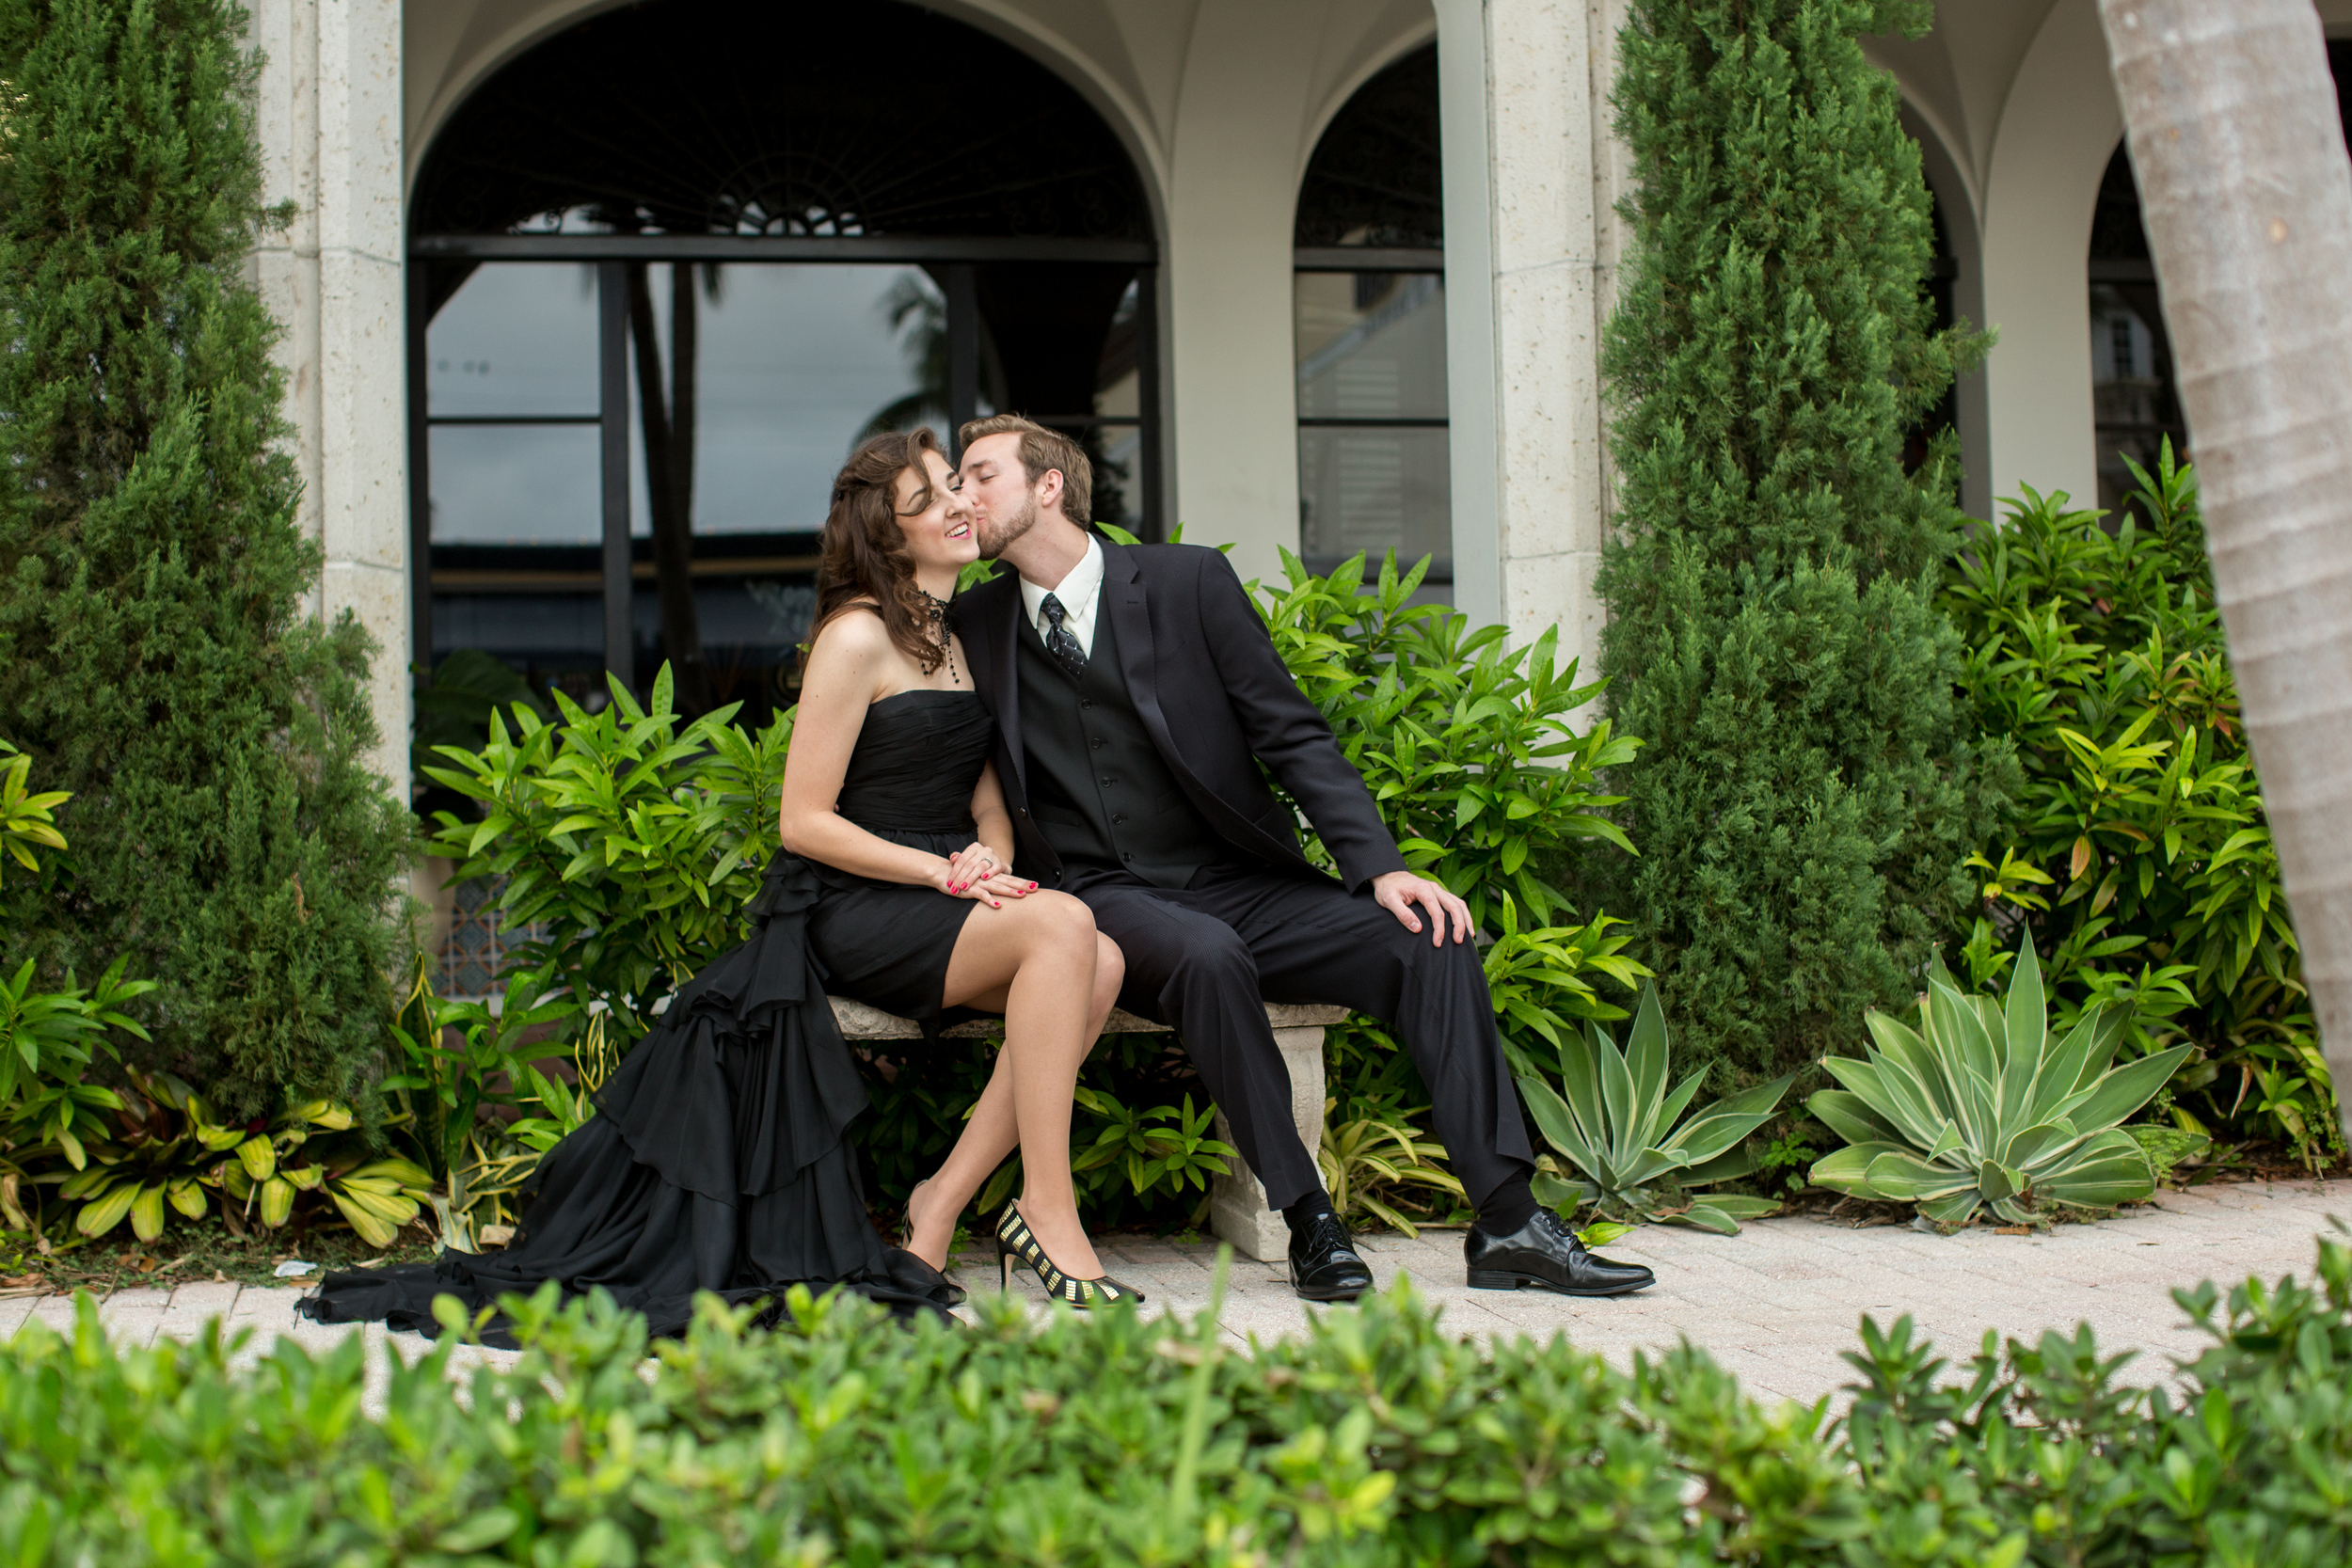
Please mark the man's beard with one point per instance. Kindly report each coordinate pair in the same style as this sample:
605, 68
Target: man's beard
994, 536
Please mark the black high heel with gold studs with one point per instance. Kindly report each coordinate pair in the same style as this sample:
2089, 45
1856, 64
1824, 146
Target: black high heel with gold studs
1014, 1240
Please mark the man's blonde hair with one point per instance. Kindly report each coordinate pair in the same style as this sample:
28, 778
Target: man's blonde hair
1043, 451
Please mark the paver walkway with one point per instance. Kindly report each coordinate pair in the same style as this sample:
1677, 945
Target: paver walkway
1776, 1305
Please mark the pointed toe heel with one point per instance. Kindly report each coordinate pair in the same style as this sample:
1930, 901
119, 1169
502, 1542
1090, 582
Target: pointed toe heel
1015, 1240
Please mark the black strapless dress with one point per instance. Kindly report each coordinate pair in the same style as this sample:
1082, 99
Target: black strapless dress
721, 1158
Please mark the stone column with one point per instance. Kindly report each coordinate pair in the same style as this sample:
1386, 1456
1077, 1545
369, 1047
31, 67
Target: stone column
329, 119
1531, 174
1237, 1206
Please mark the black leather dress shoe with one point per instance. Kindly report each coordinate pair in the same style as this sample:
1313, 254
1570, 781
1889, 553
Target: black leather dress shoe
1546, 1254
1323, 1265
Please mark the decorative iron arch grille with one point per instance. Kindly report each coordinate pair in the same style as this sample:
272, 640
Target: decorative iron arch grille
676, 131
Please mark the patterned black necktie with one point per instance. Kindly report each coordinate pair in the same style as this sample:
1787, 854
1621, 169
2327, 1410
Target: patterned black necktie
1060, 643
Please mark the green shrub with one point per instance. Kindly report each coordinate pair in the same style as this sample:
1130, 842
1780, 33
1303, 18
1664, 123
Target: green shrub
1375, 1438
1466, 745
1987, 1106
154, 657
633, 839
2139, 858
1806, 792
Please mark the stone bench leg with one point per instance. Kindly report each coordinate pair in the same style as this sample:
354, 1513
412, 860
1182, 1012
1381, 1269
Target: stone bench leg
1237, 1207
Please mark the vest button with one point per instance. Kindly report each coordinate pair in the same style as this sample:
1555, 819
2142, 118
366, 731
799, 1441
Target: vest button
1118, 819
1085, 701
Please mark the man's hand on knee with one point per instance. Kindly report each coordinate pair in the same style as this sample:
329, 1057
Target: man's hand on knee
1398, 892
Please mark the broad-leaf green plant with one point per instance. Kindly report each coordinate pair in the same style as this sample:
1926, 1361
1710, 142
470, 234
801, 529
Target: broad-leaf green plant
1985, 1106
2138, 853
1638, 1154
634, 838
1370, 1165
1465, 742
26, 819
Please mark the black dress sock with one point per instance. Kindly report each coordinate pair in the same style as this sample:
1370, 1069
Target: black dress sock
1307, 1210
1508, 1207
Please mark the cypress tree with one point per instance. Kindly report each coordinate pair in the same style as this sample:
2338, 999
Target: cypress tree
1805, 796
155, 658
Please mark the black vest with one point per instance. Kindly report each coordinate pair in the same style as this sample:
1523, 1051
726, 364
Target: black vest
1098, 789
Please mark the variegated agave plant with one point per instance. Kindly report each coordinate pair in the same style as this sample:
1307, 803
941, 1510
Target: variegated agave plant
1619, 1125
1983, 1107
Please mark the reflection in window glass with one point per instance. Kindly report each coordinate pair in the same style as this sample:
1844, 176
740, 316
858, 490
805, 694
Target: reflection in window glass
795, 365
1372, 489
1372, 470
516, 339
516, 484
1371, 345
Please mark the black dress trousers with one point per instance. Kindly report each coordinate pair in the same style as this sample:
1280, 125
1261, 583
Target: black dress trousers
1202, 958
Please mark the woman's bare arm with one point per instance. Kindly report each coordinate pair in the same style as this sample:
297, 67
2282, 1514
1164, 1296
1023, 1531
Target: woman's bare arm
852, 664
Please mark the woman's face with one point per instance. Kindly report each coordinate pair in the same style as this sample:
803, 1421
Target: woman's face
939, 534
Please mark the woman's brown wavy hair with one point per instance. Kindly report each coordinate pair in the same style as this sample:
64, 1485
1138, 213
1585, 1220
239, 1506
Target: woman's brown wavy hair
863, 554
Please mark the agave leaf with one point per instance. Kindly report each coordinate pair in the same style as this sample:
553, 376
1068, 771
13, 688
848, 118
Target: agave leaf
1867, 1082
2108, 1169
1564, 1197
1923, 1095
1601, 1232
1952, 1209
1848, 1114
1997, 1181
1558, 1125
1847, 1170
1579, 1082
278, 1197
1727, 1166
2027, 1023
1626, 1132
2125, 1090
1671, 1112
1945, 1141
1902, 1176
2029, 1146
2065, 1069
1728, 1120
1967, 1059
1645, 1058
1706, 1216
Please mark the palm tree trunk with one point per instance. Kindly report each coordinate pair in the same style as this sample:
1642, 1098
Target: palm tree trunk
2247, 194
668, 420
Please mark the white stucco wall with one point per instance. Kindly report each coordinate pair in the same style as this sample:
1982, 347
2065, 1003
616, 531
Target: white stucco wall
329, 113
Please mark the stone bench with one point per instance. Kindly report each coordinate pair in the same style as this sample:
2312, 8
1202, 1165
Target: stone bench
1237, 1206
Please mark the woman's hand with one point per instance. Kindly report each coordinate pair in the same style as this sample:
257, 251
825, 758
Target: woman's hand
974, 872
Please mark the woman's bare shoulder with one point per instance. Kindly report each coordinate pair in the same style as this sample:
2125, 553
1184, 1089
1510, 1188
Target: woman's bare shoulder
856, 631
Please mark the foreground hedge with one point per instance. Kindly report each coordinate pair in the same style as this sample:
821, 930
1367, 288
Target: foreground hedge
1377, 1440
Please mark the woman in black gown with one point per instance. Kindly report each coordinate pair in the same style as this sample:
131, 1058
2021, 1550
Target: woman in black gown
722, 1159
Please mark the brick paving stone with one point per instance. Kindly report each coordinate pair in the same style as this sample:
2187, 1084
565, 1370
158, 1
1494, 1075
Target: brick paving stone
212, 1298
143, 1295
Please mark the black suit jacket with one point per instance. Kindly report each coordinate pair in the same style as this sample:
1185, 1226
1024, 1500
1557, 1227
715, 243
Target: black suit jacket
1198, 664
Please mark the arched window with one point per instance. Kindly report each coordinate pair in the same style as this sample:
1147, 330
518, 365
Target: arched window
2135, 406
1370, 322
670, 265
2135, 399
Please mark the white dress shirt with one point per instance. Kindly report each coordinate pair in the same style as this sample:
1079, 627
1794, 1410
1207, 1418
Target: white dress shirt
1079, 592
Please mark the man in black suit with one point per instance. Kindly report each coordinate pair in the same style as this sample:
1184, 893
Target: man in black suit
1135, 692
